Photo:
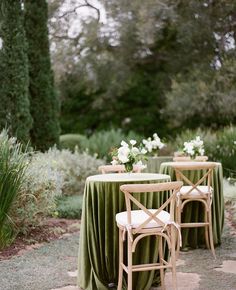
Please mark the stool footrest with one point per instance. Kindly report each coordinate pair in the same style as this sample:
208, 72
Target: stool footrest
147, 267
194, 225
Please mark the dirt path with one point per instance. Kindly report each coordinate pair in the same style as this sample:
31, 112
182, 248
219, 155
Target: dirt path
53, 266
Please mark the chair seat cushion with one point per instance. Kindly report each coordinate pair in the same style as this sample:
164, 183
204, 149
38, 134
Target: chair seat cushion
139, 216
203, 188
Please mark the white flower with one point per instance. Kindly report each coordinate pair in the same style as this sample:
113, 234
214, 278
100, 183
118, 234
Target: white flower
234, 142
201, 151
124, 144
154, 144
140, 164
127, 153
123, 158
123, 153
114, 162
194, 147
155, 136
143, 151
135, 151
133, 142
148, 145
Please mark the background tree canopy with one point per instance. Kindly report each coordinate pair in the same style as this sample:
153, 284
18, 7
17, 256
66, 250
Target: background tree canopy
147, 66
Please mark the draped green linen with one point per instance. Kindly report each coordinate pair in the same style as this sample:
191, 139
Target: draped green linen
99, 250
154, 163
193, 211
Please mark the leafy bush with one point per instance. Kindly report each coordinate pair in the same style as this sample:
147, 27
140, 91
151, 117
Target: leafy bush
219, 146
12, 173
70, 141
43, 183
69, 207
51, 175
101, 143
223, 148
187, 135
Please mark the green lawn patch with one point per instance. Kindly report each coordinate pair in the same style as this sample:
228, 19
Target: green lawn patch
70, 206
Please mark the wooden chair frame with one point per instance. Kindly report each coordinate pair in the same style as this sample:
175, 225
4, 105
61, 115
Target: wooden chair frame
104, 169
203, 197
165, 231
201, 158
181, 158
187, 158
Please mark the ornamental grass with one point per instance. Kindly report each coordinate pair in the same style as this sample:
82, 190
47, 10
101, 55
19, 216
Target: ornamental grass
12, 172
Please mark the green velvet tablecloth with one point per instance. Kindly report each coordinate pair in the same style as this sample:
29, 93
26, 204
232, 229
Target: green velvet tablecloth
154, 163
98, 249
194, 237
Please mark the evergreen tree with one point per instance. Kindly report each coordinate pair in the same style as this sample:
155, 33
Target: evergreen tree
15, 106
44, 102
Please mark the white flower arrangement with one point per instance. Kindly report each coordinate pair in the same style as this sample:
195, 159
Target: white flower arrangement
153, 145
194, 147
129, 155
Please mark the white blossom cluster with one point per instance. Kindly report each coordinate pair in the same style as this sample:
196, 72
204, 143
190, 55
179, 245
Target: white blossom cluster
128, 153
153, 145
194, 147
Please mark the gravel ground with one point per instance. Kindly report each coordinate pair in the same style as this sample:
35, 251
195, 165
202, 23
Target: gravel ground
43, 268
53, 266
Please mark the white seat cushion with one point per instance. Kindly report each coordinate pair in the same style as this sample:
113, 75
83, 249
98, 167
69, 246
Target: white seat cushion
139, 216
203, 188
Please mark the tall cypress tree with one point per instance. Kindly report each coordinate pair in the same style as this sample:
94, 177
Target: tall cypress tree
43, 99
15, 106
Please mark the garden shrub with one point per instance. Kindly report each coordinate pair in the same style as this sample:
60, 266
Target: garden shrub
13, 163
51, 175
69, 207
101, 142
70, 141
223, 148
187, 135
43, 183
219, 145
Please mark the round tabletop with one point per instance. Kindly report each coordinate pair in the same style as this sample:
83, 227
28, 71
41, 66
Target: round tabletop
127, 177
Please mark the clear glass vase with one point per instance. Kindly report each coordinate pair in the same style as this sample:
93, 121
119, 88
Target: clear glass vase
128, 167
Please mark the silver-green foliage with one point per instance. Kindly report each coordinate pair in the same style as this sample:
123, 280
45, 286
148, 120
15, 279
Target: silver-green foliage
102, 142
49, 176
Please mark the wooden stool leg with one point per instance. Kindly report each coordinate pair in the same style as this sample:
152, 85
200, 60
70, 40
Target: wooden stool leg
173, 257
162, 273
121, 254
206, 228
129, 263
211, 233
179, 207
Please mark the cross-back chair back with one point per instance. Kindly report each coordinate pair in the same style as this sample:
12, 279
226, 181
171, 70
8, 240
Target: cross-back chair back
130, 189
201, 158
137, 224
117, 169
181, 158
206, 177
200, 190
188, 158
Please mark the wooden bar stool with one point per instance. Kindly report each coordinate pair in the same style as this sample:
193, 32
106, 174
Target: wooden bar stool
192, 192
137, 224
